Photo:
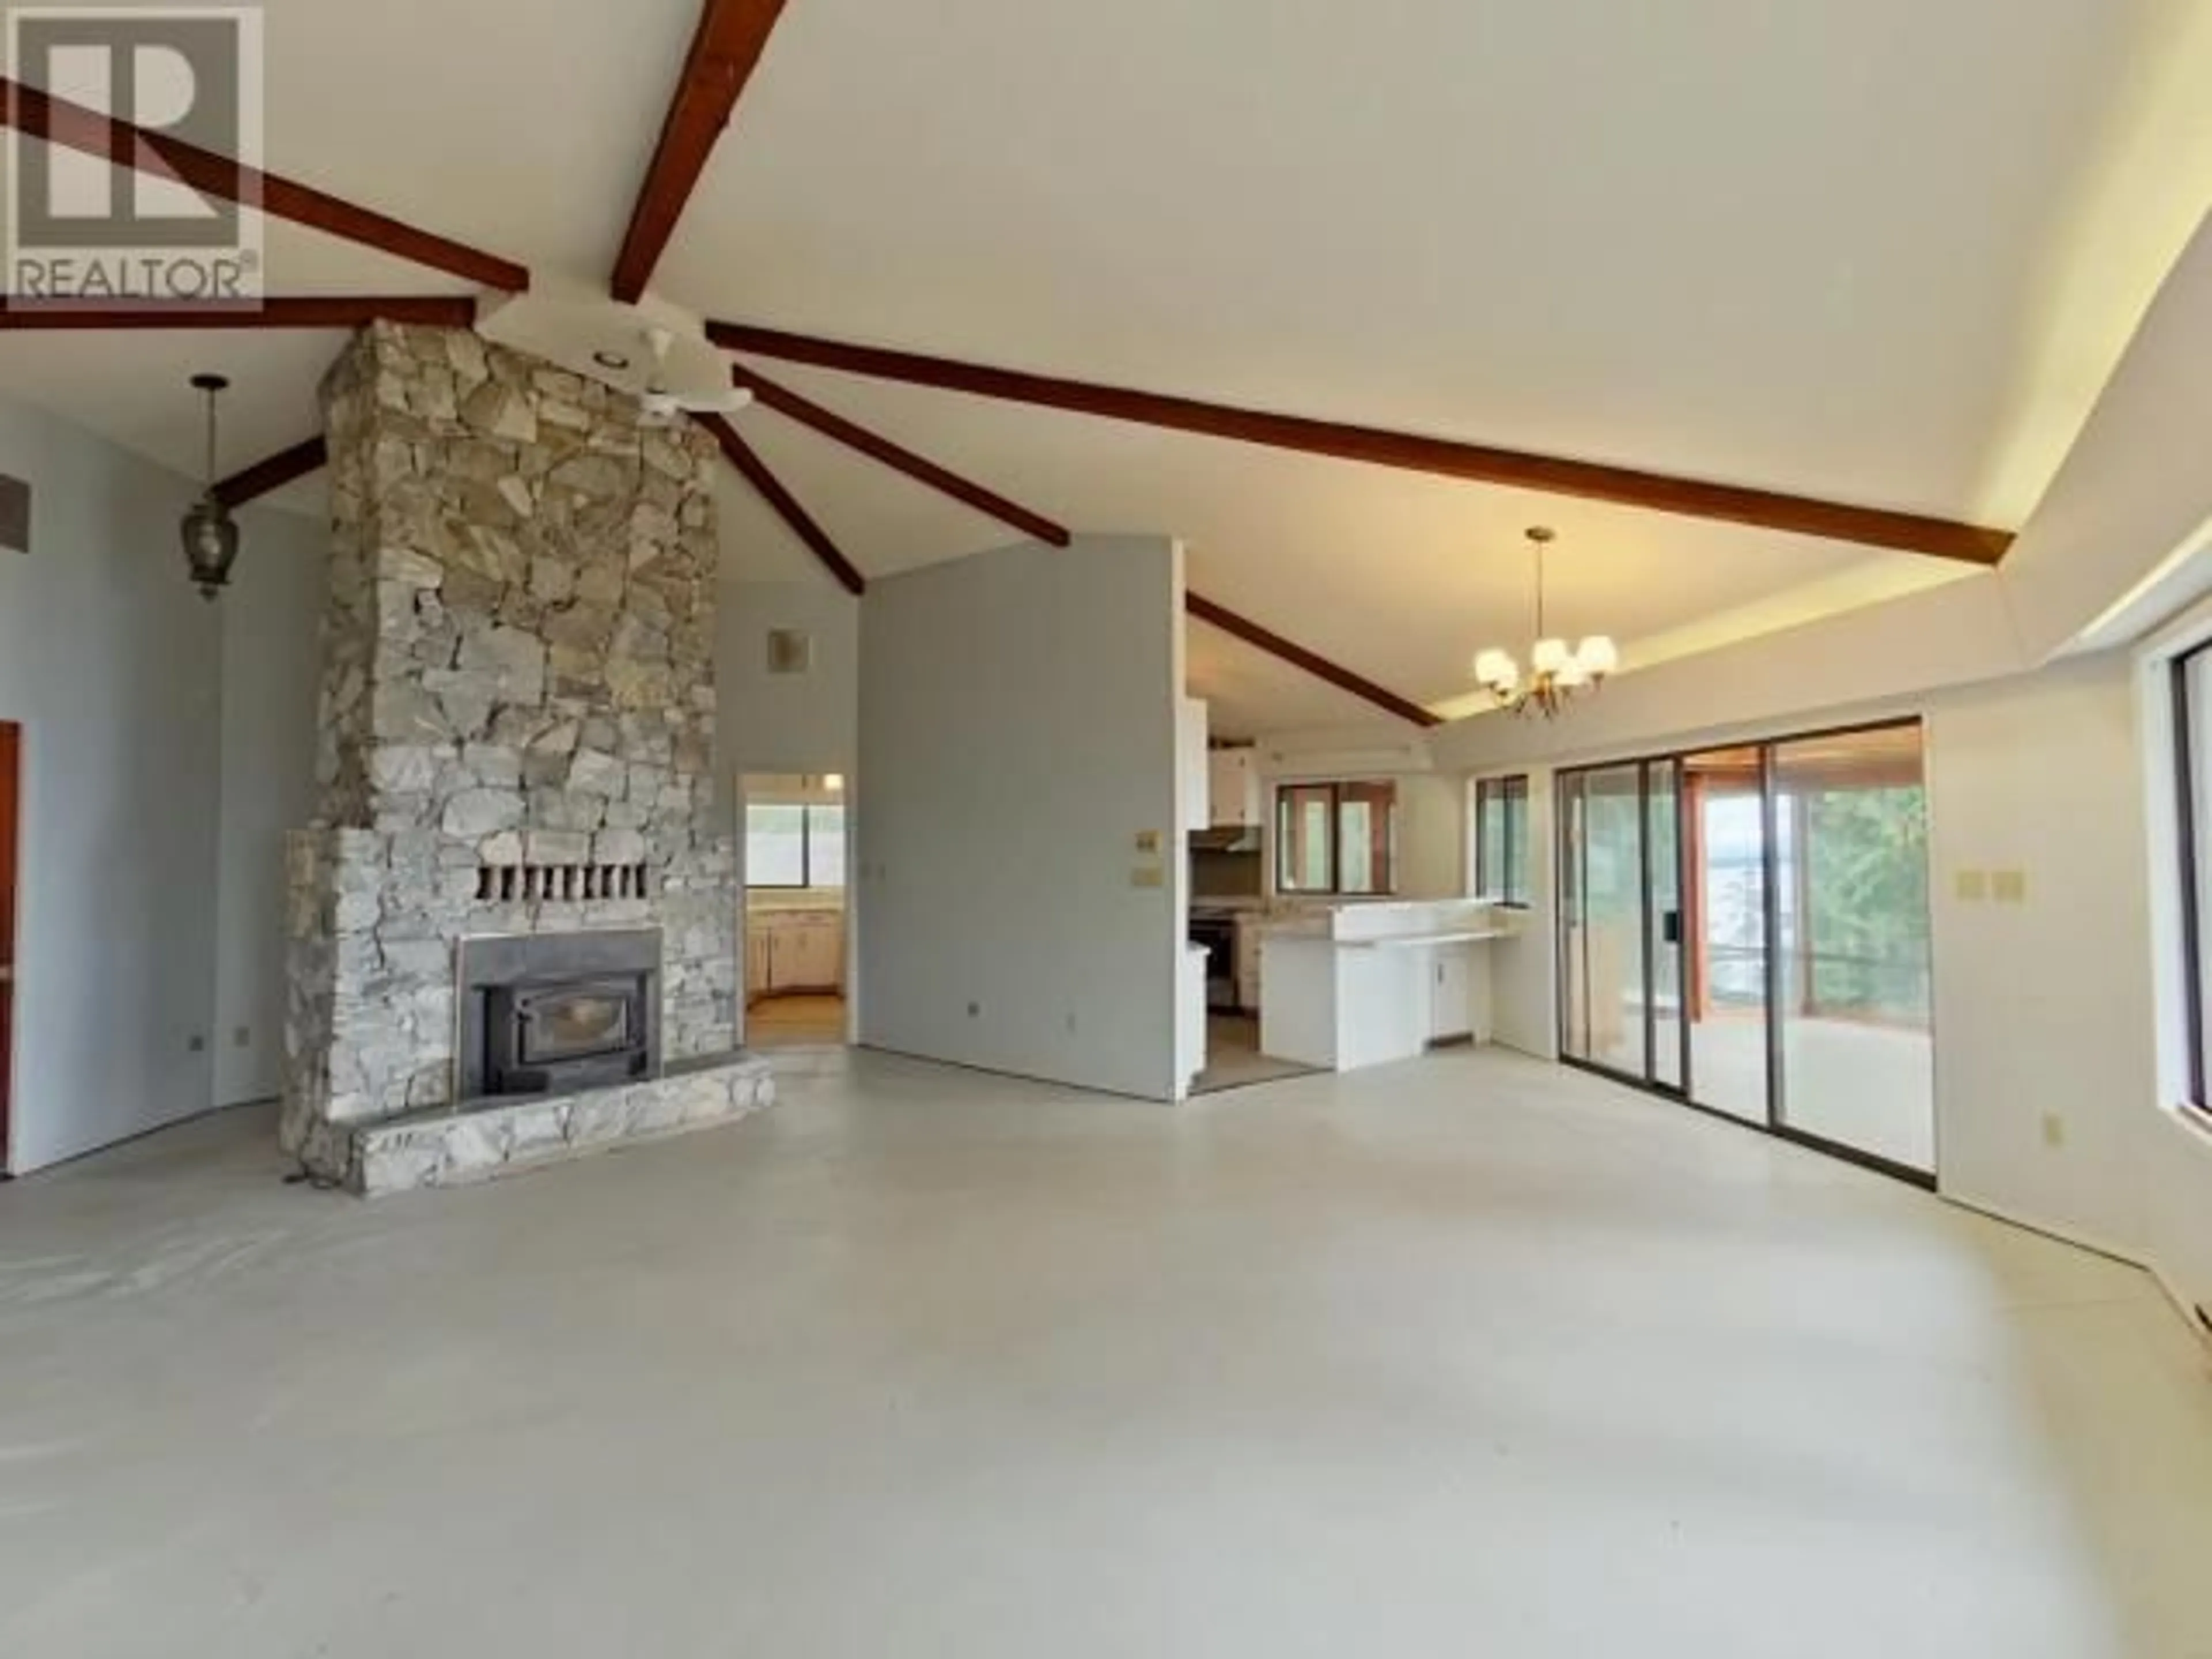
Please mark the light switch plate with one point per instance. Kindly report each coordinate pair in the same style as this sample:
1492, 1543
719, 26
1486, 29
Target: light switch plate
1148, 842
1973, 886
2008, 886
1149, 876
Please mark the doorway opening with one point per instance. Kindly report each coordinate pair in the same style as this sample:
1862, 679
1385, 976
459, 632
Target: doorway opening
1745, 929
11, 776
796, 921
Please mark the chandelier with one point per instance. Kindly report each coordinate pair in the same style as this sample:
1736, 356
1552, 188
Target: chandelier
1555, 674
208, 532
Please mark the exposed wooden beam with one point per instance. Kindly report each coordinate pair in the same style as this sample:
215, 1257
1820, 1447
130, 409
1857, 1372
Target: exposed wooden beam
1801, 515
1243, 628
37, 113
274, 473
806, 412
741, 456
317, 311
724, 48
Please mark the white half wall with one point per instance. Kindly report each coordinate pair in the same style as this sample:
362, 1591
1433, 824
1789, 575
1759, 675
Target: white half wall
1018, 735
111, 664
272, 666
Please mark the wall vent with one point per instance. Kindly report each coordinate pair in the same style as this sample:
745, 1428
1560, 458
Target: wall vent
561, 884
790, 651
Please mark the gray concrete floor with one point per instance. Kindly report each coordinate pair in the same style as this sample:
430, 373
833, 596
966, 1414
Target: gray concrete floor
1467, 1356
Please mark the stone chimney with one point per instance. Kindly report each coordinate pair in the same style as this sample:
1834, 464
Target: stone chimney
517, 740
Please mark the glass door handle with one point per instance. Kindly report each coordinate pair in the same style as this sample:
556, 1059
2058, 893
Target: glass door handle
1670, 928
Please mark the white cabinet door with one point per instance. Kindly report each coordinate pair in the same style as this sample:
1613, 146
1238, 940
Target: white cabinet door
1450, 1015
760, 977
1234, 776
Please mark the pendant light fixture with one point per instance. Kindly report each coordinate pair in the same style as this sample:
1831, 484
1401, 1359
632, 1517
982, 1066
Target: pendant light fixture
210, 533
1556, 673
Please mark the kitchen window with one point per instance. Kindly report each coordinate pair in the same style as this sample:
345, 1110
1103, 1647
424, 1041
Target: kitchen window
1339, 840
791, 845
1501, 841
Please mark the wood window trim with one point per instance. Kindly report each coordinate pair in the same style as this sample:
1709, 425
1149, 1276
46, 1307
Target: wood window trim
1338, 794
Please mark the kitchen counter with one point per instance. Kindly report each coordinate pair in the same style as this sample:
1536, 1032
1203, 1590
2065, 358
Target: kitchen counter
1366, 984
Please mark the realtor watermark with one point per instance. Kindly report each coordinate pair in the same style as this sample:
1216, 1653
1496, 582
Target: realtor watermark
183, 226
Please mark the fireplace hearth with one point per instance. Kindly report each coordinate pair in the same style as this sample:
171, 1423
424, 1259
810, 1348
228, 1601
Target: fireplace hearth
557, 1014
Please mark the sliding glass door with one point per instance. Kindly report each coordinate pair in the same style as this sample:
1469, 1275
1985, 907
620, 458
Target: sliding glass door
1618, 956
1746, 928
1857, 1045
1723, 804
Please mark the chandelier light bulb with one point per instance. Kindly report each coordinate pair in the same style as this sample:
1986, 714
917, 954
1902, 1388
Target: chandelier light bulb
1494, 667
1550, 656
1598, 655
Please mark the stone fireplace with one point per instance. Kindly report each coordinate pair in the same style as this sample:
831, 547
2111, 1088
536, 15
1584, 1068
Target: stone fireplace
514, 921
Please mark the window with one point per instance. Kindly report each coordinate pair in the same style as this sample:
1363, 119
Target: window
1501, 841
2192, 730
788, 845
1337, 838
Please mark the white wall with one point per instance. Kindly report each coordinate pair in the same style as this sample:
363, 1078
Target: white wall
111, 663
272, 663
1018, 732
769, 722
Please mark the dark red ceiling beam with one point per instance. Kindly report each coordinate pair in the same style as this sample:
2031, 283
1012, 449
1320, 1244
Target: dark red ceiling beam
1243, 628
39, 115
318, 311
274, 473
920, 468
741, 456
1765, 509
724, 49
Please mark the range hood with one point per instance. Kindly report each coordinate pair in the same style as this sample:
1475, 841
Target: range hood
1226, 838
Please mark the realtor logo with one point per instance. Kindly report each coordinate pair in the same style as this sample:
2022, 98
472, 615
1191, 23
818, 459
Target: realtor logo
84, 229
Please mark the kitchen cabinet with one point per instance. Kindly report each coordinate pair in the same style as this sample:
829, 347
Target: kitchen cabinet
1233, 781
1450, 1011
794, 950
1248, 962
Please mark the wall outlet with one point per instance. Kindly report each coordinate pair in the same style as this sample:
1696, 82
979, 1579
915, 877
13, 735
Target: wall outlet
242, 1036
2054, 1131
196, 1043
975, 1009
1148, 842
1973, 886
2008, 886
1150, 876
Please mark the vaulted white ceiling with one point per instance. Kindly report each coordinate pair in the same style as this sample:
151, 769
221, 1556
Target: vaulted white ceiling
1884, 252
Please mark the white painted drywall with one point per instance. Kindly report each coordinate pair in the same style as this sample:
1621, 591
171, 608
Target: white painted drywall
1017, 733
271, 622
111, 663
805, 723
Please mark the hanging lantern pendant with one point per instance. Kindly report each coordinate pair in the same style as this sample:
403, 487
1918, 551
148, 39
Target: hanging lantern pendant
208, 532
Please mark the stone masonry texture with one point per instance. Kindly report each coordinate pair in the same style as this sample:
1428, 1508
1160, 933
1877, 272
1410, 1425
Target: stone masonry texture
517, 669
